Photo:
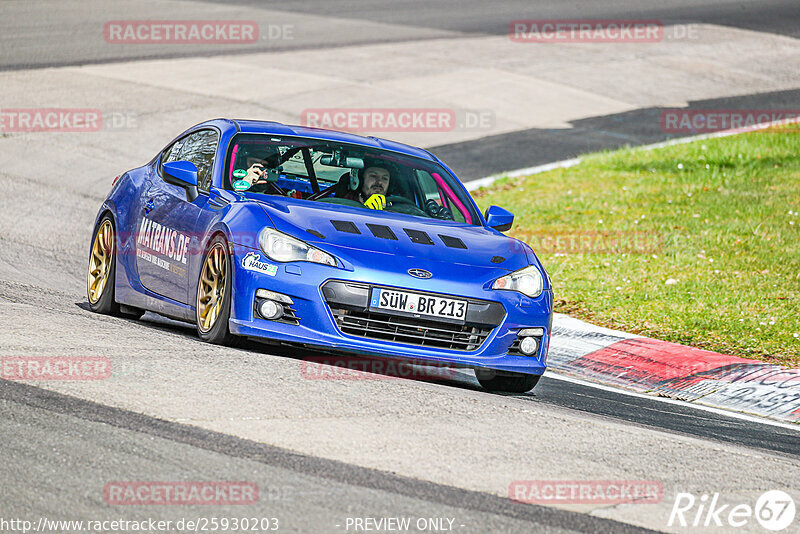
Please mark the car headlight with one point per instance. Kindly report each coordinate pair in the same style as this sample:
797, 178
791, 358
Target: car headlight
282, 247
527, 281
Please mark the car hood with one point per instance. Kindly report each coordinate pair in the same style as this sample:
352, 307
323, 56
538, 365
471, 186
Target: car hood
329, 225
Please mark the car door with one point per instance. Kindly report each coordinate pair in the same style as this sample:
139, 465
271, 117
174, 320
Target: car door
166, 226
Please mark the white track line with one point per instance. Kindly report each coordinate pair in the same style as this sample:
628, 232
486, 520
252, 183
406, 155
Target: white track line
489, 180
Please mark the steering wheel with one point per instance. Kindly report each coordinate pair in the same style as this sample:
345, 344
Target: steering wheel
397, 199
432, 209
401, 204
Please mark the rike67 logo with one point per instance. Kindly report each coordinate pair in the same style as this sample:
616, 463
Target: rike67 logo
774, 510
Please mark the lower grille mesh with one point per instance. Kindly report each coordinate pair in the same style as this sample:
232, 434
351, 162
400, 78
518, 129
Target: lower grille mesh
289, 315
424, 332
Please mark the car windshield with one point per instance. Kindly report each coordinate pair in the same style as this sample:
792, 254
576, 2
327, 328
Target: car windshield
340, 173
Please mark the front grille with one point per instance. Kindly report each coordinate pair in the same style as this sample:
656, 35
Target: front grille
423, 332
349, 304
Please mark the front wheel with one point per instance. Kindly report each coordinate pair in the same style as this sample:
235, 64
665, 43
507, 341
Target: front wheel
506, 381
102, 269
213, 302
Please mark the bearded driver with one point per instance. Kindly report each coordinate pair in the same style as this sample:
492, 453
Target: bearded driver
375, 178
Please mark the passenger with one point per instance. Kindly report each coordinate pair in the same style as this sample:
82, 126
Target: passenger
252, 162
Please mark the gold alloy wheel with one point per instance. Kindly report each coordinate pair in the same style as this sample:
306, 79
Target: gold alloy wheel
211, 291
100, 261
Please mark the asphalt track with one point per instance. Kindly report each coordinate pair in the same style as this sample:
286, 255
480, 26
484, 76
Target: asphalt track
774, 16
306, 494
324, 452
83, 442
41, 34
536, 146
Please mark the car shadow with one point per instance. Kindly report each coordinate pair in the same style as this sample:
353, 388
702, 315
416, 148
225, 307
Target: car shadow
319, 364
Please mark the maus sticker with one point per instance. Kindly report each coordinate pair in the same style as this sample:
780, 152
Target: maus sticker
252, 261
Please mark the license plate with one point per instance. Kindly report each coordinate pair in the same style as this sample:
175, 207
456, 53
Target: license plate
418, 304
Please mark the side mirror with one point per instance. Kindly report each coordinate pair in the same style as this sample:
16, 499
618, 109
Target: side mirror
499, 219
183, 174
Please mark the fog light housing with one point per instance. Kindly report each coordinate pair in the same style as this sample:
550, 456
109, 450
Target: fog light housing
279, 297
528, 346
535, 332
269, 309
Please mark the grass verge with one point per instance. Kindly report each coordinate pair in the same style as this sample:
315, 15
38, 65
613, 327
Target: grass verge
696, 243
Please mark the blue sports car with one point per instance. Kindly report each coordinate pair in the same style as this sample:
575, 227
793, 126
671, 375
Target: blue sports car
323, 239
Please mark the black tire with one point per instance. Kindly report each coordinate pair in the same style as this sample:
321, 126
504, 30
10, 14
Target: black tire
105, 304
218, 333
506, 382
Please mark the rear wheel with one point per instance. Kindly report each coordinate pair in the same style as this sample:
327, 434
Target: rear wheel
102, 269
213, 302
506, 381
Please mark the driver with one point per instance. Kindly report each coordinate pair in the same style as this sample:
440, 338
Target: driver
375, 178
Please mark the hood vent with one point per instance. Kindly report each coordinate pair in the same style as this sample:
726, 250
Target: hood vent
317, 234
452, 242
381, 231
498, 259
346, 226
418, 236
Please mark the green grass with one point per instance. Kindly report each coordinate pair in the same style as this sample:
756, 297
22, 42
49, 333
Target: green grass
712, 215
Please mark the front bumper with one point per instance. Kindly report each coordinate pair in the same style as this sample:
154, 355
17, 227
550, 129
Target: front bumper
492, 327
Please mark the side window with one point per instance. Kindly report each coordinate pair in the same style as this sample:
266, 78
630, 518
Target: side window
171, 153
200, 148
296, 164
428, 185
431, 191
